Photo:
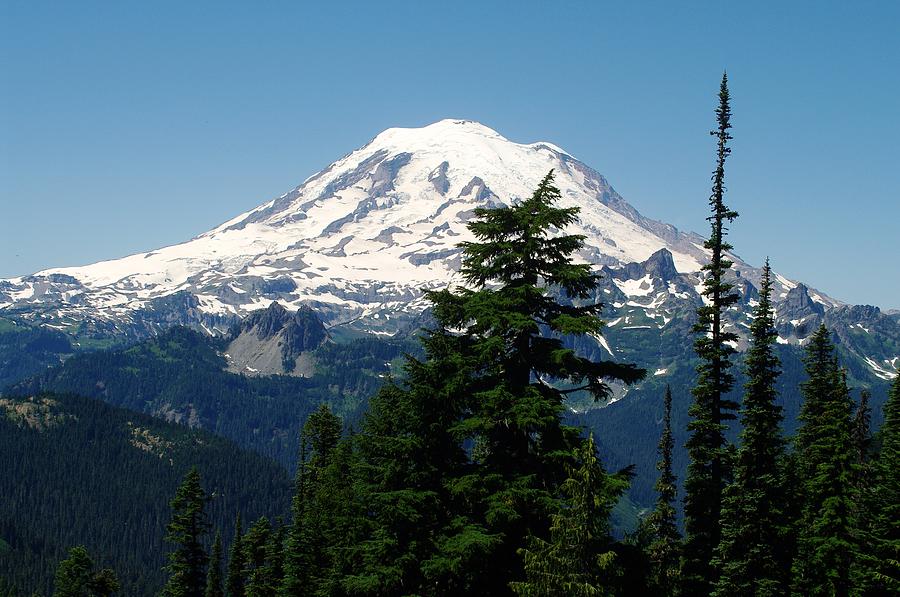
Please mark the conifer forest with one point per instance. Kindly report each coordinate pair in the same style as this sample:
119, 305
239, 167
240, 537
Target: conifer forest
454, 463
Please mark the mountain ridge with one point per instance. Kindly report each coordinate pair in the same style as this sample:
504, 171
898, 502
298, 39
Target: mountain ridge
359, 241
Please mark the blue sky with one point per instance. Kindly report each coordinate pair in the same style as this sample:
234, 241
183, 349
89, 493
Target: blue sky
131, 125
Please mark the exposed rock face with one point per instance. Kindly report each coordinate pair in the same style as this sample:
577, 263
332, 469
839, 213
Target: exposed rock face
360, 241
274, 341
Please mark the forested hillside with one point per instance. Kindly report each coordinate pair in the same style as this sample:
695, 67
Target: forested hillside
77, 471
181, 376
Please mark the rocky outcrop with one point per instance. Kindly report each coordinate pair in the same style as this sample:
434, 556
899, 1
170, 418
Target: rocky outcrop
274, 341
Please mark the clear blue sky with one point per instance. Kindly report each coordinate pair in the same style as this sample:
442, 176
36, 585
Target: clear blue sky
125, 126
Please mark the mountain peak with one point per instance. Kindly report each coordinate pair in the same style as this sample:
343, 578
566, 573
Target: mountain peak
359, 240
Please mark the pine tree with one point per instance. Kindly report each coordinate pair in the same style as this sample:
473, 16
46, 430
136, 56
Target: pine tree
520, 446
187, 563
750, 557
577, 560
214, 574
708, 469
826, 460
234, 581
665, 541
77, 577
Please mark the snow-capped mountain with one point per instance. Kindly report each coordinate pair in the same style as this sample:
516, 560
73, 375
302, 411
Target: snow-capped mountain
359, 241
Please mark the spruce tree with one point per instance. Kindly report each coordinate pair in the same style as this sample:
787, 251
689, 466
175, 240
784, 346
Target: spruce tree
187, 563
577, 559
750, 557
826, 462
708, 469
214, 574
514, 419
234, 581
665, 541
76, 577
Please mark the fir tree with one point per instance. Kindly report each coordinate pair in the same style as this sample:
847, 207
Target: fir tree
751, 558
514, 417
234, 581
76, 577
665, 540
826, 459
187, 563
214, 574
577, 560
708, 469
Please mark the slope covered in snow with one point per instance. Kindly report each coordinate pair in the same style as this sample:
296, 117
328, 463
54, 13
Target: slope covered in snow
359, 240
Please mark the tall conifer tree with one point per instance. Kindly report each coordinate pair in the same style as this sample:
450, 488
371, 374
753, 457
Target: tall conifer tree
577, 560
708, 469
187, 529
665, 541
883, 558
751, 557
826, 459
304, 554
76, 576
514, 418
214, 586
234, 581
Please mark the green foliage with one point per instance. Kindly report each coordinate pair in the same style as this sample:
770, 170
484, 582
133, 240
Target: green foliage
181, 375
753, 557
235, 580
77, 577
577, 559
664, 547
512, 409
826, 545
27, 350
214, 586
187, 529
320, 498
708, 470
880, 568
103, 477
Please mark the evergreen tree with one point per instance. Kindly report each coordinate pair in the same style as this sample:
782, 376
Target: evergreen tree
578, 559
826, 459
187, 564
234, 581
304, 554
751, 558
77, 577
214, 574
862, 436
520, 446
883, 559
708, 469
262, 559
406, 454
665, 540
